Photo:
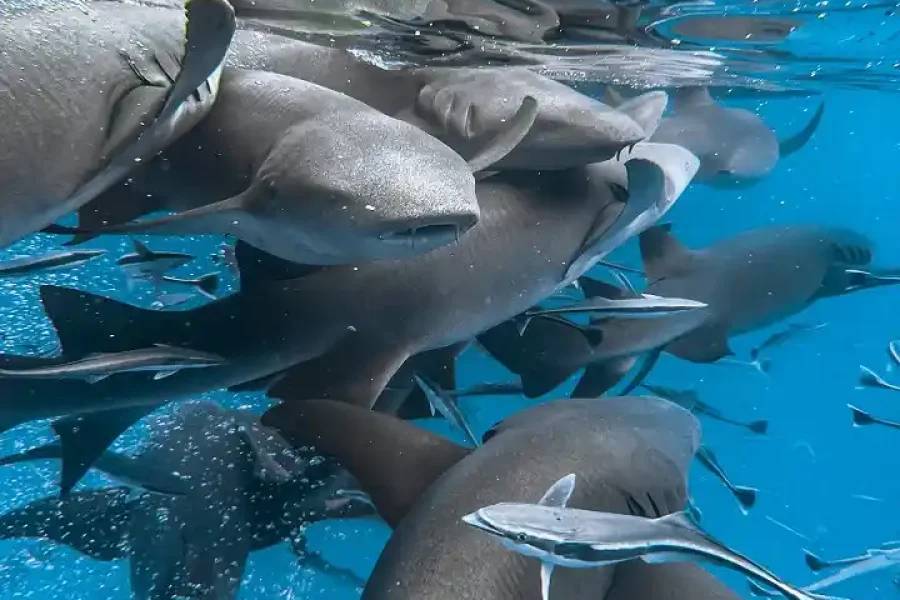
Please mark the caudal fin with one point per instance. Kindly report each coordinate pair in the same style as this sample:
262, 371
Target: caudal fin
814, 563
758, 427
646, 110
746, 497
88, 323
861, 417
208, 285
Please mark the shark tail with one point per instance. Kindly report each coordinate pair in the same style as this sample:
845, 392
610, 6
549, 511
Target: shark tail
208, 284
759, 427
796, 142
87, 323
861, 417
814, 563
746, 497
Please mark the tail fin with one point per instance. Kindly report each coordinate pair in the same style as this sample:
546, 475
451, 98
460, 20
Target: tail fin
861, 417
796, 142
764, 365
87, 323
814, 563
759, 427
746, 497
208, 284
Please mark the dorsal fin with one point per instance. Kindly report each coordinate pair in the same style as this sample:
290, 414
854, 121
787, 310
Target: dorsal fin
662, 253
394, 461
141, 249
687, 97
646, 110
257, 266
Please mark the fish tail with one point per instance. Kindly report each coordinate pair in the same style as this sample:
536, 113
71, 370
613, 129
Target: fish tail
87, 323
208, 284
814, 563
861, 417
759, 427
746, 497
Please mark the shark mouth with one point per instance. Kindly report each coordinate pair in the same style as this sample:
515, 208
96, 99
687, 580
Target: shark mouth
438, 234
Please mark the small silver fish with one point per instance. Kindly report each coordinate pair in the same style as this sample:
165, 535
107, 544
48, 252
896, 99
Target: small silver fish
646, 306
443, 403
568, 537
51, 261
862, 418
873, 560
781, 337
205, 284
161, 360
690, 400
147, 264
746, 496
871, 379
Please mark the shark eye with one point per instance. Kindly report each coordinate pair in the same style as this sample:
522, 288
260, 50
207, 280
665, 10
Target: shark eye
521, 537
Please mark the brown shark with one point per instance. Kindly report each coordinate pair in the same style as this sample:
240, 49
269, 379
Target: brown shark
315, 177
461, 106
336, 332
735, 146
119, 83
630, 455
748, 282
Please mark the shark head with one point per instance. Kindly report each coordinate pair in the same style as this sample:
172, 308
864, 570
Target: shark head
381, 189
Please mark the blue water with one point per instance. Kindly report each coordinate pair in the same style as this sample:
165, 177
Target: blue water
833, 485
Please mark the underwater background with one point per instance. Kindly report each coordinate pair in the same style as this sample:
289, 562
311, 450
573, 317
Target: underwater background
824, 485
